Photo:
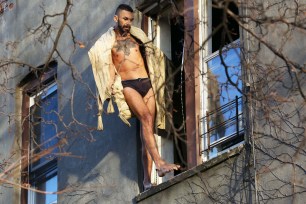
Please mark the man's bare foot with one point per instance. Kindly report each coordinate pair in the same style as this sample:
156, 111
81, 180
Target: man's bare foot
165, 168
148, 186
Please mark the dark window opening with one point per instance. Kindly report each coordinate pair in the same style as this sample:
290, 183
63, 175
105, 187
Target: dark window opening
232, 25
177, 43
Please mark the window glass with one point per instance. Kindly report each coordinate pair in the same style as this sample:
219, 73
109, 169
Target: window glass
44, 125
43, 146
223, 120
224, 91
49, 185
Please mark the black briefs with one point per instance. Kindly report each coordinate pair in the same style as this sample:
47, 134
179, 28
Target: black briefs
141, 85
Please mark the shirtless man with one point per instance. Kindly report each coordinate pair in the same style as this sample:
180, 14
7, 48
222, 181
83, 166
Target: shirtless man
137, 91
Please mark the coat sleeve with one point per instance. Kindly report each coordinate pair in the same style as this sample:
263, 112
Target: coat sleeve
99, 56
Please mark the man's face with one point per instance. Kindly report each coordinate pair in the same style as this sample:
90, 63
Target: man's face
124, 21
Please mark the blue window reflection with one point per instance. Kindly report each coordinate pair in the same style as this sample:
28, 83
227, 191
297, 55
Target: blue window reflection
223, 120
47, 186
43, 169
44, 121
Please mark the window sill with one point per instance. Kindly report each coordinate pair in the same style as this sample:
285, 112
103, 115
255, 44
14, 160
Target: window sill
189, 173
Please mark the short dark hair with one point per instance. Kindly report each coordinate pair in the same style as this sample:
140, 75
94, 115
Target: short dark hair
124, 7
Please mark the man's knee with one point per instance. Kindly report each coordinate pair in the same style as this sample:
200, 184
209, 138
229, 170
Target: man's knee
146, 118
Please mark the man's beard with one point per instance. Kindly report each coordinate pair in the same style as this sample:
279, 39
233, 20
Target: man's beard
124, 30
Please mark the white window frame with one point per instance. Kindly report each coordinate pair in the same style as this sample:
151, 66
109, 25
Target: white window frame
45, 92
157, 32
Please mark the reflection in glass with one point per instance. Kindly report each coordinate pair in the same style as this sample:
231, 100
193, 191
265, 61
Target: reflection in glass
50, 185
43, 146
224, 102
43, 126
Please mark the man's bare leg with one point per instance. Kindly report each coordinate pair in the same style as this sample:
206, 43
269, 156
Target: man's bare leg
142, 112
146, 157
147, 164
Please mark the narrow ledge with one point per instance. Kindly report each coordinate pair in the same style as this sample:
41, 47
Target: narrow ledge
189, 173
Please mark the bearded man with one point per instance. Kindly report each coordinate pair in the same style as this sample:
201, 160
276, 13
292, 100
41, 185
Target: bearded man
130, 69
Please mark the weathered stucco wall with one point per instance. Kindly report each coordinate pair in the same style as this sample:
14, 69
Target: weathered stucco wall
17, 45
276, 54
273, 39
101, 166
225, 179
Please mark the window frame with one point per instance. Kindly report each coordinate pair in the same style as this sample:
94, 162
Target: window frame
38, 81
165, 146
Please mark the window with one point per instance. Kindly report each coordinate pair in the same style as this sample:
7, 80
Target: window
221, 121
43, 145
40, 136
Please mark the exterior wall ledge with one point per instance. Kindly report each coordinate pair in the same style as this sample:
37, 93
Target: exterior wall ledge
190, 173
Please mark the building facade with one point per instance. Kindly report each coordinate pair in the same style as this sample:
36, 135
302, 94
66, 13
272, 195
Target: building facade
237, 104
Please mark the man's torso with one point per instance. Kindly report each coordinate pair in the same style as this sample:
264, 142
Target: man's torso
127, 58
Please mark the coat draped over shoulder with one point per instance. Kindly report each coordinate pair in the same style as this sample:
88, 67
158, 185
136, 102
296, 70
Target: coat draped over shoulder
100, 56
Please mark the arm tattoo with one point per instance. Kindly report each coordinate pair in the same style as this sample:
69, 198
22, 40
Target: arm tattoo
125, 46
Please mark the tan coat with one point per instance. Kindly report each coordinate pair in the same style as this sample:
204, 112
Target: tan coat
103, 68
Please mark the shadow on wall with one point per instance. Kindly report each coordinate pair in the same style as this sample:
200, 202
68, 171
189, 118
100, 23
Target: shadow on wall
106, 161
103, 164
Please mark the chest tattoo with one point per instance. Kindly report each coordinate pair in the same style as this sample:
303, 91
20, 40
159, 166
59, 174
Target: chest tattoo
125, 46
